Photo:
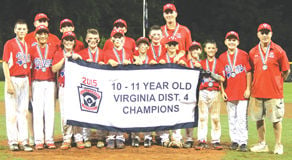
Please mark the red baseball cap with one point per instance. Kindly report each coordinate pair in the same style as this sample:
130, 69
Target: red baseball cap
171, 39
121, 21
195, 43
69, 34
232, 33
265, 26
117, 31
41, 28
142, 40
41, 16
169, 6
66, 21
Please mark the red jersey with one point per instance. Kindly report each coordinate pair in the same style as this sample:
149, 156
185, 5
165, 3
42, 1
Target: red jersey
165, 56
148, 59
130, 44
156, 51
117, 55
191, 63
207, 82
235, 86
30, 38
268, 83
16, 54
96, 57
42, 59
182, 33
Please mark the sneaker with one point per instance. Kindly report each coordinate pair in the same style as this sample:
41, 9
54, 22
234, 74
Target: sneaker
217, 146
87, 144
243, 148
80, 145
65, 145
51, 146
259, 148
120, 144
147, 143
135, 142
202, 145
100, 144
25, 148
14, 147
188, 144
110, 144
176, 144
165, 144
278, 149
234, 146
39, 146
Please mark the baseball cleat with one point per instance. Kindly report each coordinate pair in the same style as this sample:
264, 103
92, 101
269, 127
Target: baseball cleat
243, 148
87, 144
65, 145
188, 144
202, 145
147, 143
51, 146
25, 148
14, 147
217, 146
39, 146
100, 144
80, 145
110, 144
120, 144
234, 146
135, 142
259, 148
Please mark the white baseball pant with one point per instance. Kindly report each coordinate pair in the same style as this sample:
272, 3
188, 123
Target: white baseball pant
16, 107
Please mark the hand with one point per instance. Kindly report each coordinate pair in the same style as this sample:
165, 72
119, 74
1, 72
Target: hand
247, 93
68, 54
89, 60
113, 63
10, 88
198, 65
101, 63
76, 56
176, 59
162, 62
126, 62
152, 62
182, 62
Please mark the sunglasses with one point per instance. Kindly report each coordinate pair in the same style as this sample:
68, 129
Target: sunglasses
172, 43
43, 20
168, 11
264, 31
69, 38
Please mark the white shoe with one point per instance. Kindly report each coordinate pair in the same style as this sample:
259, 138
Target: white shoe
278, 149
260, 148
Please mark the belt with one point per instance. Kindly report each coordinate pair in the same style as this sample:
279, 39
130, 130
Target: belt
20, 76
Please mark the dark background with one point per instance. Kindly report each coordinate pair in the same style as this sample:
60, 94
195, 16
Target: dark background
206, 19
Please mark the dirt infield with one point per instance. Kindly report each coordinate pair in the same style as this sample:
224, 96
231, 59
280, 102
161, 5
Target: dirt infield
154, 153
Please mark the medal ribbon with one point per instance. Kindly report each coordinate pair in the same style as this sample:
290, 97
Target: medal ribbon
118, 57
43, 58
96, 55
153, 52
234, 60
191, 62
213, 67
21, 49
264, 60
176, 29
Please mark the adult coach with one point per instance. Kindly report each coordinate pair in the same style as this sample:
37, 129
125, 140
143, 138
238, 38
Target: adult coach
16, 68
270, 68
172, 28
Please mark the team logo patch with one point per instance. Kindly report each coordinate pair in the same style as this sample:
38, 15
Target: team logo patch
89, 98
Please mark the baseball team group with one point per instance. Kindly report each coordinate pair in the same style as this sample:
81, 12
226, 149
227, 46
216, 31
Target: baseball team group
33, 65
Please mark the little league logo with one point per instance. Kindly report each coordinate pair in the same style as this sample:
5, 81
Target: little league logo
89, 98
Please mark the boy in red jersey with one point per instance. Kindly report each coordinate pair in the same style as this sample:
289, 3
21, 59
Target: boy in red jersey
66, 51
172, 28
193, 61
129, 42
67, 25
118, 55
236, 92
270, 68
43, 89
156, 48
209, 98
144, 57
16, 68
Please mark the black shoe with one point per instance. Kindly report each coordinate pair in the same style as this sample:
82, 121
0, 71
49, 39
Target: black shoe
188, 144
147, 143
243, 148
234, 146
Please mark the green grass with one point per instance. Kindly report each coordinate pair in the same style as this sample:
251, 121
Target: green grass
288, 92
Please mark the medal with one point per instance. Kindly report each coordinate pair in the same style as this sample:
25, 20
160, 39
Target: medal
233, 74
91, 55
120, 61
24, 65
265, 67
43, 58
264, 59
44, 69
210, 84
153, 52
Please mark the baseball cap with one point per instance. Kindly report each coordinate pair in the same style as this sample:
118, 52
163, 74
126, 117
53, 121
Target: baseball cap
142, 40
121, 21
69, 34
233, 34
117, 31
171, 39
265, 26
66, 21
169, 6
195, 43
41, 28
41, 16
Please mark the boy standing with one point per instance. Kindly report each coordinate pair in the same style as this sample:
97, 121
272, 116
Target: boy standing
236, 92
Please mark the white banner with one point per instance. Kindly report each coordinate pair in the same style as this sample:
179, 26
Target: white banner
130, 98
